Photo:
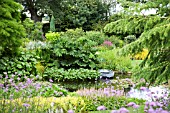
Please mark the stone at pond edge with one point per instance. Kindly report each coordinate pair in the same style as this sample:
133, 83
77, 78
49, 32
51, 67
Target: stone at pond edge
104, 73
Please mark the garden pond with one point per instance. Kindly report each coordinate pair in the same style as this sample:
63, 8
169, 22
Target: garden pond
119, 82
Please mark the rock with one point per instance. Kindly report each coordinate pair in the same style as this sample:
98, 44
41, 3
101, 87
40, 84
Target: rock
106, 73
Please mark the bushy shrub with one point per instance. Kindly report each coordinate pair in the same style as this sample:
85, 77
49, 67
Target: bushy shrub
33, 30
73, 33
75, 53
116, 40
52, 36
11, 29
23, 64
96, 36
111, 60
70, 74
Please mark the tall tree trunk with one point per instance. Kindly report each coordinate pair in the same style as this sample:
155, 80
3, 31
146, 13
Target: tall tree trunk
33, 11
35, 17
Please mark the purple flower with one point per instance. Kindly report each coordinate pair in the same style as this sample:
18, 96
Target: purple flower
164, 111
6, 76
108, 43
70, 111
151, 110
29, 81
159, 104
1, 85
51, 80
106, 93
143, 88
99, 108
123, 110
6, 90
131, 104
10, 80
136, 106
147, 104
114, 111
152, 104
26, 105
38, 86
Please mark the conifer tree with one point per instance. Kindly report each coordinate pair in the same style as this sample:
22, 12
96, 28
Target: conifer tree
153, 33
11, 29
52, 24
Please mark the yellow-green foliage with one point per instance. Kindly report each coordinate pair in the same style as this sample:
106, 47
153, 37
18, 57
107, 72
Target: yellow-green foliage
40, 68
52, 36
111, 60
141, 55
43, 104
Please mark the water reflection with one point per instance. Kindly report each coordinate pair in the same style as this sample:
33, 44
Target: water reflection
149, 94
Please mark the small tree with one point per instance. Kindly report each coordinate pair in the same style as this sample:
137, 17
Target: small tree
52, 24
11, 29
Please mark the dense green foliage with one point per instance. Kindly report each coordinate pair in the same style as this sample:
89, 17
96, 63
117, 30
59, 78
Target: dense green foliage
11, 30
33, 30
24, 64
111, 60
81, 13
153, 33
73, 50
70, 74
52, 36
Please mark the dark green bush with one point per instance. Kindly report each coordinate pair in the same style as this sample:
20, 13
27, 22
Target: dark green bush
23, 64
75, 53
96, 36
70, 74
73, 33
33, 30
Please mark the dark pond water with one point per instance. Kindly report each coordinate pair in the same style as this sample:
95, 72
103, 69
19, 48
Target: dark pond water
130, 91
100, 83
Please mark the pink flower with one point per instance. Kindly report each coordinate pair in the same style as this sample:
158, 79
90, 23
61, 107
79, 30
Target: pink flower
51, 80
152, 104
108, 43
101, 108
136, 106
26, 105
123, 110
131, 104
151, 111
143, 88
70, 111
